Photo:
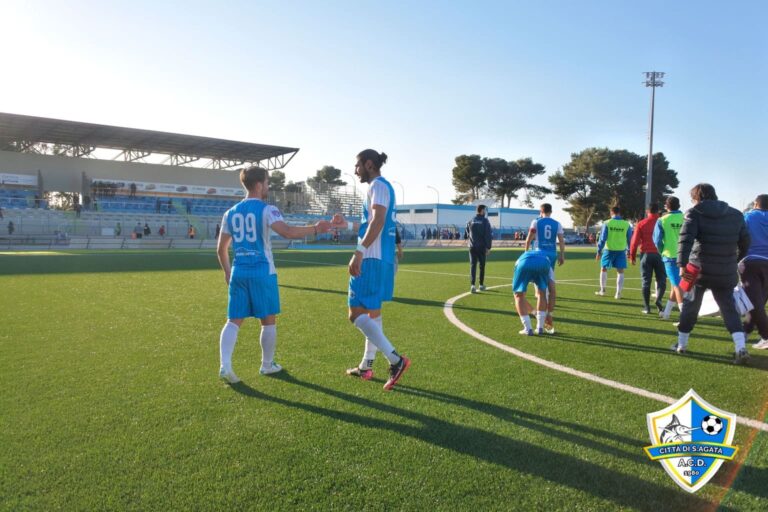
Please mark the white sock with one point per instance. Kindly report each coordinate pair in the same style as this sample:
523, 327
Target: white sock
268, 342
619, 283
668, 308
227, 342
682, 339
603, 280
679, 306
372, 331
526, 322
739, 340
540, 317
370, 349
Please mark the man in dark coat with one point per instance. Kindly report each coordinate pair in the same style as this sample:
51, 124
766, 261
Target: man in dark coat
479, 240
714, 237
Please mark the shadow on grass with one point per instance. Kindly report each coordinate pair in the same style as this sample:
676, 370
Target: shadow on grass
622, 489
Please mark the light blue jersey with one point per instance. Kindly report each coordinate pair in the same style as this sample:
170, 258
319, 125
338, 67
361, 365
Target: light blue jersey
253, 287
376, 282
545, 231
380, 192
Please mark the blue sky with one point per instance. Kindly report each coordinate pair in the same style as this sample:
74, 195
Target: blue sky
424, 81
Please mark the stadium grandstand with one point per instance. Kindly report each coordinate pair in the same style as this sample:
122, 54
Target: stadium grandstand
72, 183
83, 185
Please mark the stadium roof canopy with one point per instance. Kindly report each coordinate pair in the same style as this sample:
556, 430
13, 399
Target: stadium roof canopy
36, 135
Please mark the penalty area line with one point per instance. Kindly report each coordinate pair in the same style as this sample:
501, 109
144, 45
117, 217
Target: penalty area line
451, 316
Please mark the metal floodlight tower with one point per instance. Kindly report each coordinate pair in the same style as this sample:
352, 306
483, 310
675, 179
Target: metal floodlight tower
652, 80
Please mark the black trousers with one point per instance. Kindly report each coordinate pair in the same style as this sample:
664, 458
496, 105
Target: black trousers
754, 279
651, 263
724, 298
477, 256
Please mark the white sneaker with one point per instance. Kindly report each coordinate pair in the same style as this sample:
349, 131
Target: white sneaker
617, 296
539, 331
472, 289
270, 370
228, 375
482, 287
526, 332
600, 293
761, 345
664, 315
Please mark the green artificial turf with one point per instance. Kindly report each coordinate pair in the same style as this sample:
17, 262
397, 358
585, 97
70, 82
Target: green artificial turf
111, 399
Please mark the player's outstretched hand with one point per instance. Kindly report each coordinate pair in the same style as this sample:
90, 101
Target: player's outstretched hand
323, 226
338, 221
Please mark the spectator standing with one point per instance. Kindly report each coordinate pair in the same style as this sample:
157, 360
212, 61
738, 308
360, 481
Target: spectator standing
479, 242
161, 231
218, 230
147, 231
714, 238
753, 270
137, 231
133, 190
191, 232
118, 229
11, 227
650, 259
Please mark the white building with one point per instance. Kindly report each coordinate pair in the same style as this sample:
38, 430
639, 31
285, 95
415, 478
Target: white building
458, 215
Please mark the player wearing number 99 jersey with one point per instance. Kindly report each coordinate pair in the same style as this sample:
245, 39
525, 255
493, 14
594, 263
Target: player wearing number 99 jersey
252, 280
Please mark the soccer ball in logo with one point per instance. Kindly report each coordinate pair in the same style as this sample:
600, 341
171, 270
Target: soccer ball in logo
712, 425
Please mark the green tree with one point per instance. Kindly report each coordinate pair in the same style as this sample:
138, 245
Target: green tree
277, 180
328, 175
294, 187
598, 178
468, 178
506, 180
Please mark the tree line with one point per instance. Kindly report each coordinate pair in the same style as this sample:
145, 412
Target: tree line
594, 180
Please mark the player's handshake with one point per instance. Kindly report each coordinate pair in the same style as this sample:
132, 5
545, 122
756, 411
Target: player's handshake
323, 226
338, 221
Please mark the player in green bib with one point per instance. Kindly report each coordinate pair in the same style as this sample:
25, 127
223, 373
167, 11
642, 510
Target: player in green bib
665, 236
614, 238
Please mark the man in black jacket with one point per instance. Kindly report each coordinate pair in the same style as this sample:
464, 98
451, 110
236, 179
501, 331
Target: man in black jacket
714, 237
479, 239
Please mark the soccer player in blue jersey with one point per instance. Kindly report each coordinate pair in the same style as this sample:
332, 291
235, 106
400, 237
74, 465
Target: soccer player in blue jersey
252, 279
548, 234
532, 266
372, 267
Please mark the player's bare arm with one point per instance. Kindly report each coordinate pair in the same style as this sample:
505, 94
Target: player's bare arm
379, 214
222, 251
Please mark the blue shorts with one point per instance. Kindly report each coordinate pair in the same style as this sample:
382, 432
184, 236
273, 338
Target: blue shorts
673, 272
552, 255
374, 285
614, 259
253, 296
535, 271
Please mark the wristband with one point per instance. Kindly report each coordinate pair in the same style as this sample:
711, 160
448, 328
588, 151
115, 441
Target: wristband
350, 225
360, 248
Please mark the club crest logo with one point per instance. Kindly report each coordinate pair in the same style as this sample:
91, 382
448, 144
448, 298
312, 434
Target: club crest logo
691, 438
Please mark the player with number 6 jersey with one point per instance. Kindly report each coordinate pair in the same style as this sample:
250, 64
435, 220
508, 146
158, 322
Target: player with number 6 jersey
252, 279
548, 234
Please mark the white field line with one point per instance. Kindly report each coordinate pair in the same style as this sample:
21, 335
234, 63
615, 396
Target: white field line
448, 310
